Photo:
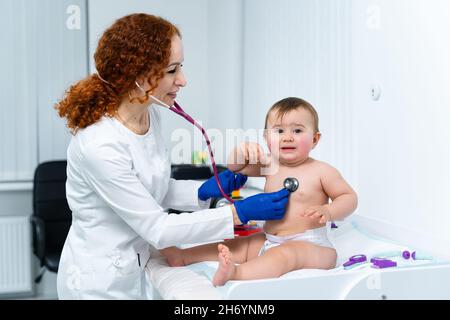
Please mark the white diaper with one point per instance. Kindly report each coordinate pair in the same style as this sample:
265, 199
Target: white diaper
316, 236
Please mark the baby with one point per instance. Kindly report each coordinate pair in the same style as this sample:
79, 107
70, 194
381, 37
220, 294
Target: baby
299, 240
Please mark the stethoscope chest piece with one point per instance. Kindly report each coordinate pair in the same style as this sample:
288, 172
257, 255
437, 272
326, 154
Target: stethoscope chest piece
291, 184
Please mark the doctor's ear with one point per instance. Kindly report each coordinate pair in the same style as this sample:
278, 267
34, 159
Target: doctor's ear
316, 139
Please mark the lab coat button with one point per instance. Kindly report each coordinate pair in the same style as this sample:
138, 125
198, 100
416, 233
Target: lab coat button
117, 262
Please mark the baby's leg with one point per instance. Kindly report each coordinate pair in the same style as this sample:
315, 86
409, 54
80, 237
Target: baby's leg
208, 252
289, 256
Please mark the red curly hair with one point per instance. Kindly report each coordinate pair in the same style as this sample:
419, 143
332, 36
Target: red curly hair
137, 45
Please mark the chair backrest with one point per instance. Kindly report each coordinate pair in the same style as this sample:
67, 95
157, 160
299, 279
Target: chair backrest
50, 204
193, 172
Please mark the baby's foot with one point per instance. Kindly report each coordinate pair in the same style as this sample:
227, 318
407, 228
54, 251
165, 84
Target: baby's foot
174, 256
226, 268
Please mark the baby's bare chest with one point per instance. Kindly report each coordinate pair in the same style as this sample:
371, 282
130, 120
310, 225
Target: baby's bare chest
310, 186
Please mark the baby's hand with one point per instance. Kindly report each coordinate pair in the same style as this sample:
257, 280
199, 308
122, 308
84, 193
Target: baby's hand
318, 212
253, 153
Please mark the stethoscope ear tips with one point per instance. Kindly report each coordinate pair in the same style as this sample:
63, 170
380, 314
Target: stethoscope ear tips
291, 184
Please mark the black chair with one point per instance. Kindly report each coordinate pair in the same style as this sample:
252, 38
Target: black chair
193, 171
51, 217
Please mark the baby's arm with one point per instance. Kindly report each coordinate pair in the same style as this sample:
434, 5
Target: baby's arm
343, 197
248, 158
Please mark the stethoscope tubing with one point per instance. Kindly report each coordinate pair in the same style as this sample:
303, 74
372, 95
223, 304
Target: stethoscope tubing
176, 108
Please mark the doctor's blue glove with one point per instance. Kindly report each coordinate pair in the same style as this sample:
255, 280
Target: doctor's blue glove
263, 206
229, 180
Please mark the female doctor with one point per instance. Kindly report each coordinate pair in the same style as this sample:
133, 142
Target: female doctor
118, 171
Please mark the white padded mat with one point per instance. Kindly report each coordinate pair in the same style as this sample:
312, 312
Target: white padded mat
194, 282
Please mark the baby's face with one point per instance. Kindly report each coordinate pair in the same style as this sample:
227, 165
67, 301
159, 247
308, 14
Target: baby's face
291, 138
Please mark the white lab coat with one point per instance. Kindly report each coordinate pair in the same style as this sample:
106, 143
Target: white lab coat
118, 185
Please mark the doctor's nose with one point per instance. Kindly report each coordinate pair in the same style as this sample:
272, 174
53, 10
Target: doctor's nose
180, 80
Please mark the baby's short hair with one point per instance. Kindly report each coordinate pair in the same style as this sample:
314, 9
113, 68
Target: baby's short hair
292, 103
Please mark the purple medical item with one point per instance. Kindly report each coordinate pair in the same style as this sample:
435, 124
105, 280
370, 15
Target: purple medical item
359, 258
406, 254
381, 263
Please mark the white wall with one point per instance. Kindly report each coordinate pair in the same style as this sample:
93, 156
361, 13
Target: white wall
225, 72
17, 121
403, 139
42, 59
394, 151
301, 48
225, 50
43, 56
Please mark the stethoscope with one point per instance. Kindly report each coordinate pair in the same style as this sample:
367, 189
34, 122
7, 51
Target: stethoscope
178, 110
291, 184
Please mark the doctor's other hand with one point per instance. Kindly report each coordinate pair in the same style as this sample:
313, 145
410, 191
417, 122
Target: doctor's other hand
229, 180
263, 206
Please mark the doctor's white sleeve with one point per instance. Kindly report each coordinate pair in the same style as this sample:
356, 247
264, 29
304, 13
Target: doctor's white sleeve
109, 171
183, 195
